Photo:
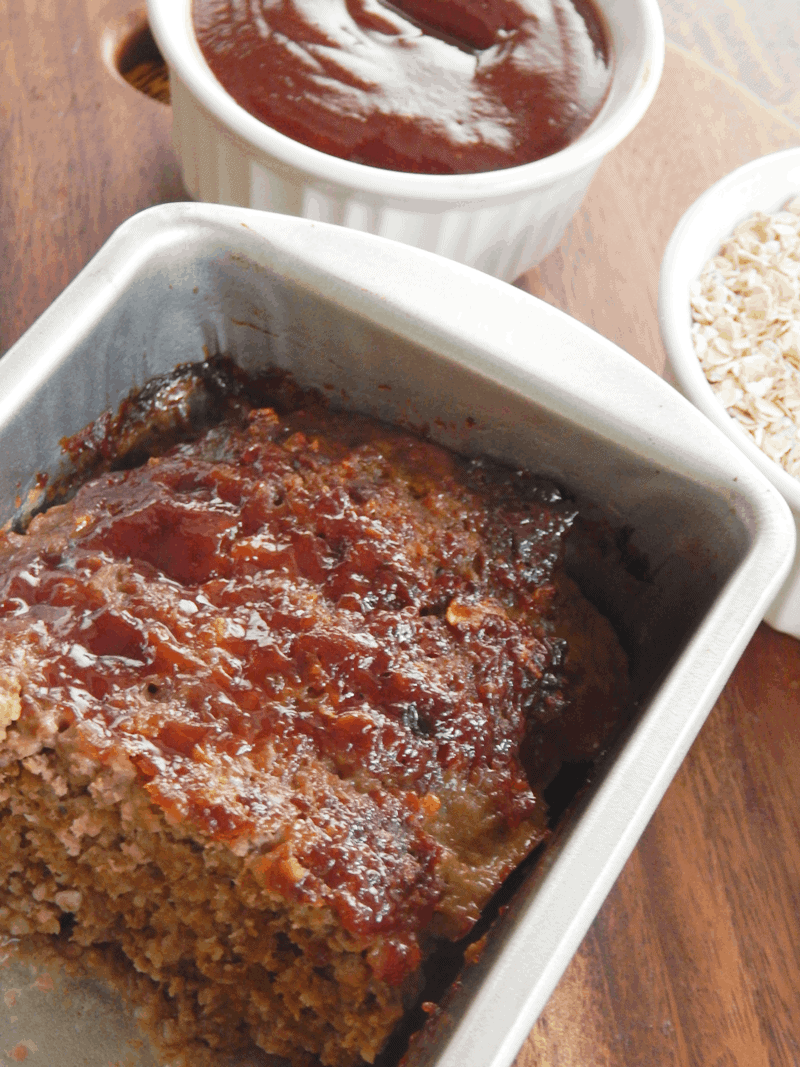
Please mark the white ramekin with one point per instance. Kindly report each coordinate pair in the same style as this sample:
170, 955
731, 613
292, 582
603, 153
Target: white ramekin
501, 222
762, 185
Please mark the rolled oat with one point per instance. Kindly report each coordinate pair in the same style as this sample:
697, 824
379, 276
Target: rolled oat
746, 330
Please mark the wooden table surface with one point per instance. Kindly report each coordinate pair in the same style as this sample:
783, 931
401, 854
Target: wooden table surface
695, 957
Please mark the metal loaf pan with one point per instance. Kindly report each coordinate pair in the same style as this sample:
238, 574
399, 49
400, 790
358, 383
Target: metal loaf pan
482, 367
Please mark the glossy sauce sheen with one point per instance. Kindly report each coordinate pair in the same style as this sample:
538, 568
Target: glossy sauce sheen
447, 87
314, 634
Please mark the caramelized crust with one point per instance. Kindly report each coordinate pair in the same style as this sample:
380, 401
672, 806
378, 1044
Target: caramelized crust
300, 658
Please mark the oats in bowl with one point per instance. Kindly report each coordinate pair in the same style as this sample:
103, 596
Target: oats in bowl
728, 294
746, 330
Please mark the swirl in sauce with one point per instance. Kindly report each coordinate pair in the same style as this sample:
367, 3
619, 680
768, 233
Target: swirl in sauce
446, 87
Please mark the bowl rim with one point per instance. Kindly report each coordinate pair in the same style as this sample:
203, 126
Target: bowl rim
171, 25
746, 187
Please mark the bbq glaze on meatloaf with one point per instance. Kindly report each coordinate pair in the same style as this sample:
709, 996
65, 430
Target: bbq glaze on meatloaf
277, 709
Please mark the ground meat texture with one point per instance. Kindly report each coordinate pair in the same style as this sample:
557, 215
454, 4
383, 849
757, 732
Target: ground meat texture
279, 707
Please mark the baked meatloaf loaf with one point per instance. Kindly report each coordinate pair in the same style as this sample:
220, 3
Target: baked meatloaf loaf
277, 708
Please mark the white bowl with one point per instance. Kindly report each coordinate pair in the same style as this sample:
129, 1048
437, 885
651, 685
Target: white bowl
763, 185
502, 222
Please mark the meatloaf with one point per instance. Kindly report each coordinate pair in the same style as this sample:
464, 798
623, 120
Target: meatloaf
278, 706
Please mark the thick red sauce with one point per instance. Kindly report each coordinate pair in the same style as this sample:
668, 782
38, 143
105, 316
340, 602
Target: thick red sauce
428, 86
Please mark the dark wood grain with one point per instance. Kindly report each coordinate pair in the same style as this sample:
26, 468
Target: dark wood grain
80, 149
695, 957
694, 960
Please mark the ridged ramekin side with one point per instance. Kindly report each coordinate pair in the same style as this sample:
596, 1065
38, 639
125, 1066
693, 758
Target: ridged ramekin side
502, 236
